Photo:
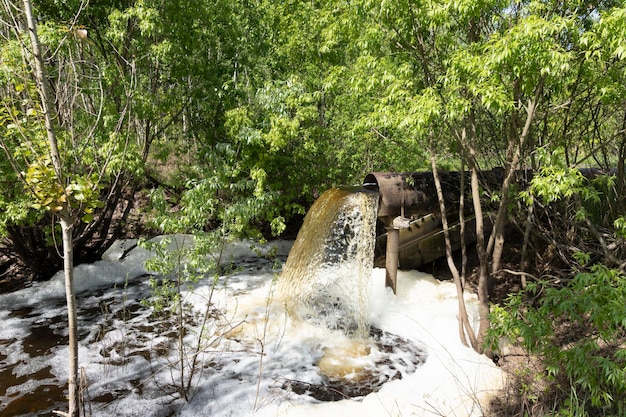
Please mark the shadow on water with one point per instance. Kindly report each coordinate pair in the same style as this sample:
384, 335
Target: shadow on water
41, 401
43, 338
28, 386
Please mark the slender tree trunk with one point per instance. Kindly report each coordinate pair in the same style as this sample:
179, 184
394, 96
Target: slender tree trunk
483, 278
183, 384
462, 225
42, 85
70, 297
464, 324
527, 228
512, 155
65, 218
496, 241
621, 166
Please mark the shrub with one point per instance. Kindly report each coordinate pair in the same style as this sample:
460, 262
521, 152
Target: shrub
577, 330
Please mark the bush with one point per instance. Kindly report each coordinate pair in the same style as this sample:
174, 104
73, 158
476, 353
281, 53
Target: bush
577, 331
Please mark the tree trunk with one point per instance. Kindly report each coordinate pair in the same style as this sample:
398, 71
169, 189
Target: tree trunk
65, 217
464, 325
496, 240
72, 321
42, 85
483, 278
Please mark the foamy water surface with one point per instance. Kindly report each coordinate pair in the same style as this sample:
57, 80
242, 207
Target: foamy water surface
253, 359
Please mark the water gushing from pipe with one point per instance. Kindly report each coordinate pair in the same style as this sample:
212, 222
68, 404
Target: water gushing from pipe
325, 279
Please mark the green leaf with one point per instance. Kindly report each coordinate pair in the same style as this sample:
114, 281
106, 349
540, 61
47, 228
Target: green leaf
87, 218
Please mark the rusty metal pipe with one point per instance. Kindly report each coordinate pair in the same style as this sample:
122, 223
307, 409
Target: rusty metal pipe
397, 196
414, 193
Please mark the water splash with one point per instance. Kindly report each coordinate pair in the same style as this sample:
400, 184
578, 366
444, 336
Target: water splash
326, 276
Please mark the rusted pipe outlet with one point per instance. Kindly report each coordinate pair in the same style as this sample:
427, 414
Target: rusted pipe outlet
413, 194
398, 194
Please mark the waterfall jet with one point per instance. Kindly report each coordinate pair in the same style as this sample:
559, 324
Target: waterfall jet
327, 274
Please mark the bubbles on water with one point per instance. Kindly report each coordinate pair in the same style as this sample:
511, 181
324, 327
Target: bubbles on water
355, 368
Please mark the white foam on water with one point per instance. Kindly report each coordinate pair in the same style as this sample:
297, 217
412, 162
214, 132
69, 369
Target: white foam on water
247, 372
454, 380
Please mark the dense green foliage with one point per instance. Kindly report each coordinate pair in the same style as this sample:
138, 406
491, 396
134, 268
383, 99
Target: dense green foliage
571, 317
233, 115
270, 104
578, 332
